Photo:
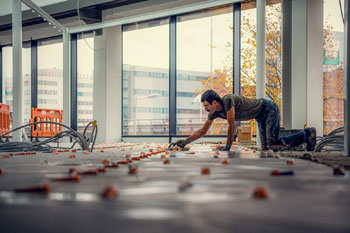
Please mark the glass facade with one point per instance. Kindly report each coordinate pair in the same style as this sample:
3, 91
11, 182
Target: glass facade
50, 75
7, 71
333, 66
85, 63
204, 61
146, 78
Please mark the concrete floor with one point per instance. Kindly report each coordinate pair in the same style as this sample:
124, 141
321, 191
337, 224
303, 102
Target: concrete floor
313, 200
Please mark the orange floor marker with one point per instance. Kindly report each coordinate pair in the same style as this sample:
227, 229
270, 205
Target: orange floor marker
290, 162
71, 156
261, 193
86, 153
109, 192
105, 162
162, 156
205, 171
166, 161
276, 156
225, 161
132, 170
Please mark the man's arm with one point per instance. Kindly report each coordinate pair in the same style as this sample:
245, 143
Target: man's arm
201, 132
231, 127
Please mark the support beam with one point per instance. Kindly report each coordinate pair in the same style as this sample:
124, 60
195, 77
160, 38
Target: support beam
299, 63
260, 54
314, 81
44, 14
34, 73
107, 94
260, 48
17, 68
287, 64
153, 15
74, 82
347, 81
66, 78
236, 48
90, 16
172, 78
1, 78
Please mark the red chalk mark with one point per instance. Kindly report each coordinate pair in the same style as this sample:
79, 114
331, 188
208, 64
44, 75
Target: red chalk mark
75, 178
35, 189
190, 153
91, 172
123, 162
112, 165
102, 169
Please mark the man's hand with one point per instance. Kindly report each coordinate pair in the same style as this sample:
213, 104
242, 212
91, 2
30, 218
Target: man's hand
181, 143
224, 148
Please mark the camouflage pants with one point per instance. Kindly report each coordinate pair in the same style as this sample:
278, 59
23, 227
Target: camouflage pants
269, 127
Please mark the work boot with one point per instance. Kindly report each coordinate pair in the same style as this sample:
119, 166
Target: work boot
310, 138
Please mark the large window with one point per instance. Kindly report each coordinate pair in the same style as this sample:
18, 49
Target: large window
85, 58
333, 66
7, 75
146, 78
50, 74
204, 61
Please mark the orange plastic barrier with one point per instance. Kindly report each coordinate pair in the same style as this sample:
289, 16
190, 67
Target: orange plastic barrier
46, 129
5, 119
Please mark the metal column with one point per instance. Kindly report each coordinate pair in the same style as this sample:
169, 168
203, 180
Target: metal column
236, 48
287, 64
66, 79
34, 73
347, 81
1, 74
260, 48
260, 53
17, 68
172, 78
74, 83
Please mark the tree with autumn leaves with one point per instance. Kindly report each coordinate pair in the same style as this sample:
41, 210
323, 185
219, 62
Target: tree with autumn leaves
222, 82
333, 80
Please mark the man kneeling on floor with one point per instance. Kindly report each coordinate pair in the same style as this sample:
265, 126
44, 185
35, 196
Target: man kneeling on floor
238, 108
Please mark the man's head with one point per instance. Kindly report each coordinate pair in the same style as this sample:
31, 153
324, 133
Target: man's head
211, 101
